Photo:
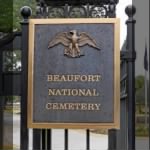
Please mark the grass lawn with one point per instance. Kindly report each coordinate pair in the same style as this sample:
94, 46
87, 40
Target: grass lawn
141, 130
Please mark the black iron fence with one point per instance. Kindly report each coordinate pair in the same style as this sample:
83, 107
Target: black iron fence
17, 81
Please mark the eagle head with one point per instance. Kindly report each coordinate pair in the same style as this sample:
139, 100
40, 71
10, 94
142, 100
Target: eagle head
73, 32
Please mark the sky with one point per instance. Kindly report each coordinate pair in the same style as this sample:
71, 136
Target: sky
120, 11
141, 29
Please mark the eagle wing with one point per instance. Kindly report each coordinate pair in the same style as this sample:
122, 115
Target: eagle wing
60, 38
84, 39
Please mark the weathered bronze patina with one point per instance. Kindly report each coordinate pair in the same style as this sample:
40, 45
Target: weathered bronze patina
72, 41
74, 91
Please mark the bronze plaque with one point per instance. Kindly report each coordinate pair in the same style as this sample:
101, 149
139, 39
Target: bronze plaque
74, 73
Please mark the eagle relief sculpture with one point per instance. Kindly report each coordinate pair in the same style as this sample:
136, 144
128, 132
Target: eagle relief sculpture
72, 41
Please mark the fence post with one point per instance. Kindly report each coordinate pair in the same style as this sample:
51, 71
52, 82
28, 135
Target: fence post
112, 133
1, 101
36, 139
112, 137
112, 9
1, 121
26, 13
130, 11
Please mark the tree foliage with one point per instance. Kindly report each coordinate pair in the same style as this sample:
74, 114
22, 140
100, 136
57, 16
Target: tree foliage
139, 82
10, 13
10, 18
6, 17
12, 60
139, 86
17, 5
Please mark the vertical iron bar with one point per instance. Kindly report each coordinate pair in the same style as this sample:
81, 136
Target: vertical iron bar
49, 139
43, 139
112, 9
130, 11
1, 101
88, 10
66, 140
1, 121
25, 12
88, 139
36, 138
1, 71
122, 136
66, 10
112, 143
40, 139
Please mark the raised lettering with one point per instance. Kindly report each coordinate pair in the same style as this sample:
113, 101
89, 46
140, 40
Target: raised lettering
75, 78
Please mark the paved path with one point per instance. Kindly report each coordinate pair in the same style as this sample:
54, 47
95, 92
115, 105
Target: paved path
8, 129
77, 138
142, 143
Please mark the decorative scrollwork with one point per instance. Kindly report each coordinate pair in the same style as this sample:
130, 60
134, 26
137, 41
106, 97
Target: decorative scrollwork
67, 11
77, 12
56, 12
98, 12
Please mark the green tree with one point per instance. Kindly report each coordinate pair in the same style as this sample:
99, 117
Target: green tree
11, 60
17, 4
10, 14
10, 18
6, 17
139, 95
139, 82
139, 86
10, 21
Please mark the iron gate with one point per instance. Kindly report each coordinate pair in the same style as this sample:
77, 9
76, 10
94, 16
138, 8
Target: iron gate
42, 139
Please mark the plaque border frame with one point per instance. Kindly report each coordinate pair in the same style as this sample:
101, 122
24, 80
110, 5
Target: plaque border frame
116, 122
